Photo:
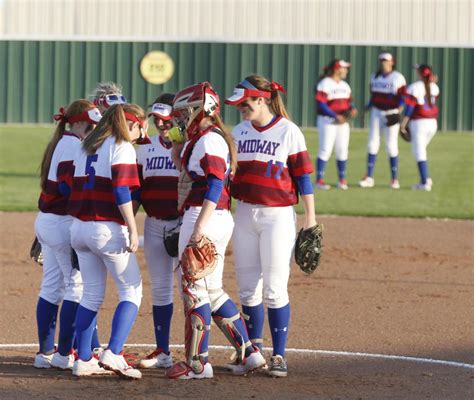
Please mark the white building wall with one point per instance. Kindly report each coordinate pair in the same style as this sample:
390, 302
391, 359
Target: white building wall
439, 23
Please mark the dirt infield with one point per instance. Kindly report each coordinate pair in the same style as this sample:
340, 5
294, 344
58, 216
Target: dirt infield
386, 286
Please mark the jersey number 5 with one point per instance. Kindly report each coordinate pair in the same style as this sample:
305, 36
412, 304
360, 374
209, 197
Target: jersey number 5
90, 171
278, 172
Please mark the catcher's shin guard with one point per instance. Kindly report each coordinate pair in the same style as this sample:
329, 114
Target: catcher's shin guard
239, 340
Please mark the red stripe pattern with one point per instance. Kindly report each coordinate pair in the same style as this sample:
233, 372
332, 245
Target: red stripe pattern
159, 196
51, 200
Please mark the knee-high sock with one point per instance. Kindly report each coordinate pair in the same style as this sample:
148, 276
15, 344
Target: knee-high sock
95, 339
394, 167
371, 158
341, 169
279, 319
228, 310
67, 326
423, 168
46, 315
122, 323
254, 323
320, 169
162, 323
86, 321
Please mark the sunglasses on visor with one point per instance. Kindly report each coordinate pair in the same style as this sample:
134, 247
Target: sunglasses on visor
111, 99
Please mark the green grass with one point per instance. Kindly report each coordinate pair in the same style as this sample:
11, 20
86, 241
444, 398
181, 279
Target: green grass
450, 161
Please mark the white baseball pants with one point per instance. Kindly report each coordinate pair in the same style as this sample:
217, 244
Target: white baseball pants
60, 280
101, 247
219, 230
422, 131
377, 127
264, 239
160, 265
332, 134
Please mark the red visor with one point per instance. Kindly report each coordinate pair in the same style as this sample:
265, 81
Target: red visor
91, 116
241, 94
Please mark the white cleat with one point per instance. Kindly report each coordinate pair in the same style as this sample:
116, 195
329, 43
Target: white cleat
394, 184
367, 182
116, 363
63, 362
43, 360
89, 368
342, 184
181, 370
157, 359
421, 186
251, 363
321, 185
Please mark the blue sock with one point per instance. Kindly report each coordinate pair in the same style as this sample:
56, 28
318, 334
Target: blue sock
228, 310
279, 319
122, 323
46, 314
67, 327
423, 168
95, 344
320, 169
371, 158
341, 169
86, 321
162, 323
394, 167
255, 321
204, 312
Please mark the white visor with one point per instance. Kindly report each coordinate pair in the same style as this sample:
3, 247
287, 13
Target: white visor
385, 57
162, 111
94, 114
240, 94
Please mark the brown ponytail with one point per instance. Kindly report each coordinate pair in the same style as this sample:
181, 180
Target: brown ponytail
113, 123
75, 108
276, 102
229, 140
427, 82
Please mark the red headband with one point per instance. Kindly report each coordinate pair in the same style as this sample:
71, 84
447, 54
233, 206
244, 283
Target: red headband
133, 118
275, 86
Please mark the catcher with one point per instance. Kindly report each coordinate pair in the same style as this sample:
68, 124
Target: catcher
208, 157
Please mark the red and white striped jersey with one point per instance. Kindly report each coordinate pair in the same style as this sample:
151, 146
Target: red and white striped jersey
95, 177
158, 179
387, 90
416, 97
336, 94
60, 170
209, 156
268, 160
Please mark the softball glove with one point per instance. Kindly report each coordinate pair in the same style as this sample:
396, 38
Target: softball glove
392, 119
308, 248
405, 134
36, 252
199, 259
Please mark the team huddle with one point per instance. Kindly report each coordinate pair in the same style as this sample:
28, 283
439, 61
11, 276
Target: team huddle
389, 97
93, 182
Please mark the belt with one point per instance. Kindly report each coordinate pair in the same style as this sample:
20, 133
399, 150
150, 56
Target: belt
216, 209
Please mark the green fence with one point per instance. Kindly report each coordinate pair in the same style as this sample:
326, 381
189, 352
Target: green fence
38, 77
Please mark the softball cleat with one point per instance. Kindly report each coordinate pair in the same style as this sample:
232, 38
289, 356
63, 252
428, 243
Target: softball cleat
394, 184
278, 367
116, 363
342, 184
251, 363
157, 359
367, 182
181, 370
321, 185
420, 186
43, 360
63, 362
89, 368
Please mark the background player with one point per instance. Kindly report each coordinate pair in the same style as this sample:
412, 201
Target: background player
207, 160
61, 282
421, 113
107, 94
387, 88
104, 233
273, 166
159, 197
333, 97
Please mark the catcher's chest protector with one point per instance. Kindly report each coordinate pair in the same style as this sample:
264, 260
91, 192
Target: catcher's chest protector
185, 184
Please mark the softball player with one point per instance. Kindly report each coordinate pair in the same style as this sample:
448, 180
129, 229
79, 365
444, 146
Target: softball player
159, 197
387, 88
61, 282
273, 167
207, 160
107, 94
104, 233
333, 97
421, 113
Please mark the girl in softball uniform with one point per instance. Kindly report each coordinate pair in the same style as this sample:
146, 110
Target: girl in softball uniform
104, 233
206, 161
387, 88
61, 283
333, 97
421, 113
159, 197
107, 94
273, 169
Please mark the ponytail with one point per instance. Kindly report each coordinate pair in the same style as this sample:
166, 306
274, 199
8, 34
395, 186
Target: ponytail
49, 151
229, 140
427, 82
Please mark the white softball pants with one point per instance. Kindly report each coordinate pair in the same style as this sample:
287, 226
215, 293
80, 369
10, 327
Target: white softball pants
60, 280
332, 134
101, 247
377, 127
208, 290
160, 265
422, 131
263, 239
